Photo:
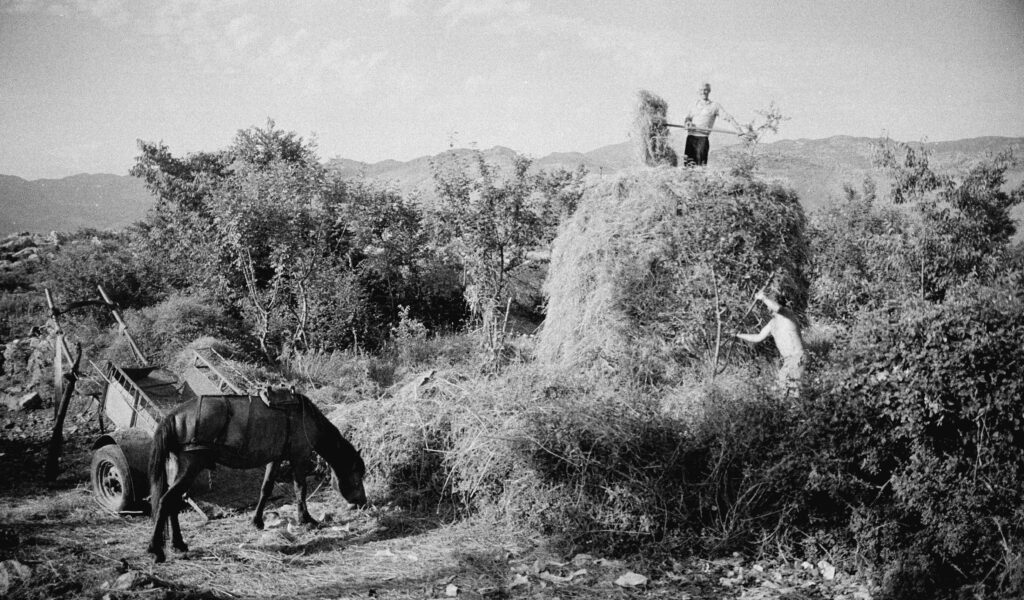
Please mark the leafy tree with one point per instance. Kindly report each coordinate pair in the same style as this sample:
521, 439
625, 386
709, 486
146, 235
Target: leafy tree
488, 222
963, 222
398, 264
558, 193
860, 256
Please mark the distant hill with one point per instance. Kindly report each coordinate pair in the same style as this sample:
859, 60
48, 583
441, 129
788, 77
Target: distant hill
816, 169
71, 203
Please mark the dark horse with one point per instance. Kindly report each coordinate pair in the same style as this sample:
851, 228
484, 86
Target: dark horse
244, 432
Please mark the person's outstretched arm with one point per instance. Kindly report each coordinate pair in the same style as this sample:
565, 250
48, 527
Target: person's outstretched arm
756, 337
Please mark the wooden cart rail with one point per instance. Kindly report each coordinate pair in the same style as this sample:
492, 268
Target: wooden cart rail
128, 405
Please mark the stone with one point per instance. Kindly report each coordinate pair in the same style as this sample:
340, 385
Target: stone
631, 579
31, 401
11, 573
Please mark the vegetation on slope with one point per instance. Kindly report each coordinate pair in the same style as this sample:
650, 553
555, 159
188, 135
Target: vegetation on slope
901, 458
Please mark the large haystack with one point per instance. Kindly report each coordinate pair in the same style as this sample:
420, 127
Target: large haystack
639, 273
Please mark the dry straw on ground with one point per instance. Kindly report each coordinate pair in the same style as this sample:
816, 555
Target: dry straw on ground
650, 134
658, 266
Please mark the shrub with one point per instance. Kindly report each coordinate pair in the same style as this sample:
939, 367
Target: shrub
20, 313
92, 258
920, 432
165, 329
862, 257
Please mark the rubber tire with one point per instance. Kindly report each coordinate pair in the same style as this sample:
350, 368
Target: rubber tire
112, 479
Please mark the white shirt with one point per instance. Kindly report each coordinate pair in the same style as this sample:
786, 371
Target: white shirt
703, 115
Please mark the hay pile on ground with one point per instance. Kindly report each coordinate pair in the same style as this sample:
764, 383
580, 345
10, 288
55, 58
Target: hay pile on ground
658, 266
650, 135
591, 462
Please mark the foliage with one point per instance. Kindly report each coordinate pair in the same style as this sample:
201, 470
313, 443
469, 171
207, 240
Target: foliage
866, 255
964, 223
308, 260
619, 475
399, 265
918, 431
487, 222
101, 258
558, 194
20, 313
744, 163
164, 329
490, 221
861, 256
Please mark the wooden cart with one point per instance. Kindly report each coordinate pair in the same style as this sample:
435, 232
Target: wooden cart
134, 401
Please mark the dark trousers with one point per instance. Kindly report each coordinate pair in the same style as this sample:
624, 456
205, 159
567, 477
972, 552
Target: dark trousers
696, 151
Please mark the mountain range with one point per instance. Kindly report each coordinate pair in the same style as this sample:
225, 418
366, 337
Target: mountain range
816, 169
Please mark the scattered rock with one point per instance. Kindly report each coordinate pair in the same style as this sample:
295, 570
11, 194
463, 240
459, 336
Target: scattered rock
452, 590
31, 401
12, 572
275, 538
630, 580
132, 580
26, 253
827, 570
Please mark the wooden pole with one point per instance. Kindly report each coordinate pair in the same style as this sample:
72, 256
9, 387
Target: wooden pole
56, 447
728, 353
61, 351
124, 327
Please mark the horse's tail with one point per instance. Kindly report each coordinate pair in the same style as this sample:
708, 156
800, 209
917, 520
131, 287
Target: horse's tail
158, 463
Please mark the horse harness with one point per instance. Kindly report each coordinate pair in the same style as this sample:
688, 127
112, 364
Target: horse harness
228, 435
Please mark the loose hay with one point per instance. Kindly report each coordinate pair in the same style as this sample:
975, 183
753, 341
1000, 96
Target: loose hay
650, 134
642, 271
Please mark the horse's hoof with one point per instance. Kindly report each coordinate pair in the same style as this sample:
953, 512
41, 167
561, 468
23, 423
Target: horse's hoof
257, 524
180, 546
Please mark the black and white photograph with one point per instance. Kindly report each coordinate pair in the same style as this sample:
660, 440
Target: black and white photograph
512, 299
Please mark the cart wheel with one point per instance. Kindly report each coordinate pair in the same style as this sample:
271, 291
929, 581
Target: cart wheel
111, 479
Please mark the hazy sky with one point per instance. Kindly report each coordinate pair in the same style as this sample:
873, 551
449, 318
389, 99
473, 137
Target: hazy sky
81, 80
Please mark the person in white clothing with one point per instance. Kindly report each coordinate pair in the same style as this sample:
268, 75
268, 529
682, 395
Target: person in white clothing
785, 331
699, 122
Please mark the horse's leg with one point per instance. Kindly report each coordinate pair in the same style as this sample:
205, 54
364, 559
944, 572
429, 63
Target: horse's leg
268, 486
156, 542
193, 466
300, 468
171, 502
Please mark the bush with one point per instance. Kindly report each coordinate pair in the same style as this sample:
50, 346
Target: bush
163, 330
92, 258
20, 313
862, 257
920, 432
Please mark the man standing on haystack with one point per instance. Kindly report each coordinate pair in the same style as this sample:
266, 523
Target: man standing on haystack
699, 123
785, 331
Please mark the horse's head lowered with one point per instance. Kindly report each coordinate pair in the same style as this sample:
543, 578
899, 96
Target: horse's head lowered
350, 484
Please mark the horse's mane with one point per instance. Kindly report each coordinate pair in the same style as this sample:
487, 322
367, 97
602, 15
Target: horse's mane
319, 418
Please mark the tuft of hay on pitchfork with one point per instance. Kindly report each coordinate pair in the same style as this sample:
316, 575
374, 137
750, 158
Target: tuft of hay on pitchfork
650, 133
